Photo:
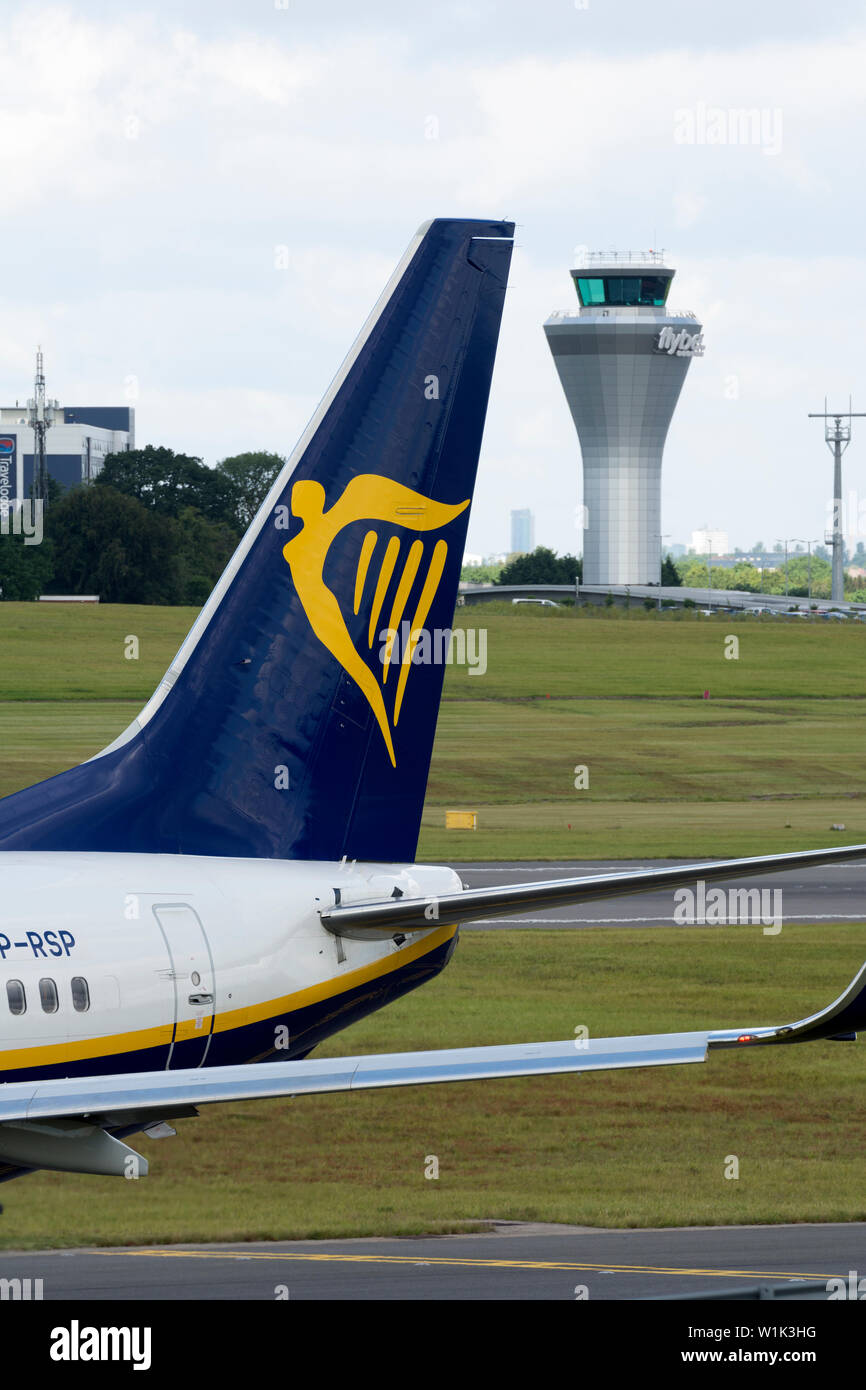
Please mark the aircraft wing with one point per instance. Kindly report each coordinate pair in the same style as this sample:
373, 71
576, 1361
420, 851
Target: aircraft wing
382, 919
67, 1124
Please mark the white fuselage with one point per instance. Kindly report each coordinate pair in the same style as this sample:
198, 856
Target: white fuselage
134, 962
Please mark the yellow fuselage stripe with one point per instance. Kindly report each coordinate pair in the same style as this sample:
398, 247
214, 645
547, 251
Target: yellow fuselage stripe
52, 1054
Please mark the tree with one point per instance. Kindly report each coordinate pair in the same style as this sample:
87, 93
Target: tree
741, 576
108, 543
166, 482
670, 573
798, 577
542, 566
24, 569
480, 574
694, 574
203, 549
250, 477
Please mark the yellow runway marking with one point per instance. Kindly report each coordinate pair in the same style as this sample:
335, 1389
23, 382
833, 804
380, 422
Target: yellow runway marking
598, 1266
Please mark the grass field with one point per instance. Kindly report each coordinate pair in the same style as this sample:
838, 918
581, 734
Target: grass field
771, 761
631, 1148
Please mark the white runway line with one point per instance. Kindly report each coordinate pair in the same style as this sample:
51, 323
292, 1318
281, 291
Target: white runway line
667, 921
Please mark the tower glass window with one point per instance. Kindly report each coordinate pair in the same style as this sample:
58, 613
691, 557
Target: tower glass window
650, 290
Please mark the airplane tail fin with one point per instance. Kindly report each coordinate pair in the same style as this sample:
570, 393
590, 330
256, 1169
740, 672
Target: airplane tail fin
297, 719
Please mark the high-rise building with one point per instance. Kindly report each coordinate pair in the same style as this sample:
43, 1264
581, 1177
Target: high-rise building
709, 542
522, 531
622, 358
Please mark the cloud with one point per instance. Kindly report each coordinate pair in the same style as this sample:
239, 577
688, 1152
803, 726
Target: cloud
688, 209
153, 169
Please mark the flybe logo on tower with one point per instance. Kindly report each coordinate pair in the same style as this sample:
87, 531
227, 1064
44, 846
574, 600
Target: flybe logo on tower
680, 344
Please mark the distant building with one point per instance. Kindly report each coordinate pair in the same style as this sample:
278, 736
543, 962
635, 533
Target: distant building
522, 532
676, 550
706, 540
77, 442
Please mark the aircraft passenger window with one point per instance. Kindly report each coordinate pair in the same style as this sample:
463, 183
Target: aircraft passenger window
16, 996
48, 995
80, 994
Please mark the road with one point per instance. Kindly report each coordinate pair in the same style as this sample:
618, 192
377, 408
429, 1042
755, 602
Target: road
511, 1262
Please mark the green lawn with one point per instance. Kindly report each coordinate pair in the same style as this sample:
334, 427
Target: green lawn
629, 1148
771, 761
66, 651
51, 651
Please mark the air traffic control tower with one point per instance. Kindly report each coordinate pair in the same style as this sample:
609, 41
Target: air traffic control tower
622, 358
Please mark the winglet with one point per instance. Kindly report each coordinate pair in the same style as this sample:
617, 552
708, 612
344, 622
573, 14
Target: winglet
846, 1015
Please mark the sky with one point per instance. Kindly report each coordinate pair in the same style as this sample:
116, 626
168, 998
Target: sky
204, 198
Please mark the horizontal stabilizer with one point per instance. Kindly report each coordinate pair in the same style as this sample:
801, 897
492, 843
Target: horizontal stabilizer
475, 904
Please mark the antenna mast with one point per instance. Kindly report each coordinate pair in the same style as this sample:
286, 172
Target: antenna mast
39, 420
837, 438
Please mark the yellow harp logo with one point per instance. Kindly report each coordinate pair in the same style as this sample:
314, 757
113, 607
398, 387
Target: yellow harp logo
374, 499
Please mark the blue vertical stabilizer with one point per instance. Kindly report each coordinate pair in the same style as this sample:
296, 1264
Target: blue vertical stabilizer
289, 725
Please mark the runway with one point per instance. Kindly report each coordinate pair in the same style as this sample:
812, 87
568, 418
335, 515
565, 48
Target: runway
835, 893
511, 1262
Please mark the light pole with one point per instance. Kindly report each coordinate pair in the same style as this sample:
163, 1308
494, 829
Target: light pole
662, 536
808, 544
778, 542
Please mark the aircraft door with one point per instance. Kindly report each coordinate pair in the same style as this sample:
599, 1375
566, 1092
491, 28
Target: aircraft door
192, 974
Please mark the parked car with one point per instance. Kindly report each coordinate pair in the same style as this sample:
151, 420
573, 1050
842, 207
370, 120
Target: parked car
544, 602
